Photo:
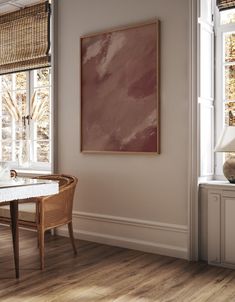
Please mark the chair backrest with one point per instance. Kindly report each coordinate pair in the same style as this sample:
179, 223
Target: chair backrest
66, 183
59, 206
63, 179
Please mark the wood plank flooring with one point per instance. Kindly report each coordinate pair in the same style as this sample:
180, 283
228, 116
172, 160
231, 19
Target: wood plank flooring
105, 273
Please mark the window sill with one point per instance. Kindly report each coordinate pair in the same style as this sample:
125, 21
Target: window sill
213, 184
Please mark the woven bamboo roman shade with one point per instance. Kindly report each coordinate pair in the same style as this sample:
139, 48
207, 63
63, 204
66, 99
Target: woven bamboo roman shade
25, 39
225, 4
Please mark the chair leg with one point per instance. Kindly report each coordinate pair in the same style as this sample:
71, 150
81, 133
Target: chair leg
41, 247
15, 233
70, 228
38, 238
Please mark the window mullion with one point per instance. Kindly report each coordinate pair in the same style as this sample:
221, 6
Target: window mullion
13, 125
30, 125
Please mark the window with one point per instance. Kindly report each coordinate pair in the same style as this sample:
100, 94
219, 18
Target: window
228, 66
25, 119
225, 77
226, 48
25, 87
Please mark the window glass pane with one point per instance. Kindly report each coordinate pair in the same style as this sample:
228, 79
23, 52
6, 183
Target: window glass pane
230, 83
43, 127
43, 151
229, 47
227, 16
17, 151
6, 130
21, 80
43, 96
21, 103
41, 103
6, 125
41, 115
9, 105
22, 148
21, 131
12, 108
6, 82
6, 151
230, 113
42, 77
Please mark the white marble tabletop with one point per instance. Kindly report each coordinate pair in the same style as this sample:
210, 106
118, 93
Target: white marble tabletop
21, 188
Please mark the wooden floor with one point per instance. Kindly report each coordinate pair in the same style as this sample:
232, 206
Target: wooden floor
104, 273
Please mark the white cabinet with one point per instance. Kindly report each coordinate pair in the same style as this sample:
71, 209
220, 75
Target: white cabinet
221, 224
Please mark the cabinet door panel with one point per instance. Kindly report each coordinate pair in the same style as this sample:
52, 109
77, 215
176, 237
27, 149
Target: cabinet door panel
228, 230
214, 228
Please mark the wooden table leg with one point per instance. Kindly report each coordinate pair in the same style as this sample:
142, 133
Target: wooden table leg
15, 233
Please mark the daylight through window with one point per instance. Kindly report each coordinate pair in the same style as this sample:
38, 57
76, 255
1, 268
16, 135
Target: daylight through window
25, 118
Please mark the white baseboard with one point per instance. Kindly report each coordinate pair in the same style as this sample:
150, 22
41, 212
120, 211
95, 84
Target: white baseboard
148, 236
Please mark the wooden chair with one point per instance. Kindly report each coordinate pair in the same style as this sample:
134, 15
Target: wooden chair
45, 213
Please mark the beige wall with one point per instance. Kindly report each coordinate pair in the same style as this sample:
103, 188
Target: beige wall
137, 188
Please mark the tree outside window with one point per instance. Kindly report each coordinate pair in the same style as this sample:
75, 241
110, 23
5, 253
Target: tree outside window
25, 119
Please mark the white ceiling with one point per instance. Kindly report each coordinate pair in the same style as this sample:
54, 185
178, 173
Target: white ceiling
13, 5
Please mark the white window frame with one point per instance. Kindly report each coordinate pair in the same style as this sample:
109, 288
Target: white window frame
205, 91
34, 166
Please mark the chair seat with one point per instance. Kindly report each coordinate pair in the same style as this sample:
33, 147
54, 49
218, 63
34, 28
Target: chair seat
27, 212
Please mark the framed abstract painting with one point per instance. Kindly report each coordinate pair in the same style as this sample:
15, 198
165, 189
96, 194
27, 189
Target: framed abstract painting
120, 109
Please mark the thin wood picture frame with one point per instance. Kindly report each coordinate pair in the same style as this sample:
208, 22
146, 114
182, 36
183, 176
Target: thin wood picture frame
120, 90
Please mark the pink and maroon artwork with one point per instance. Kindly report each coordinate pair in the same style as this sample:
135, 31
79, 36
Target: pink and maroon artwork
120, 90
